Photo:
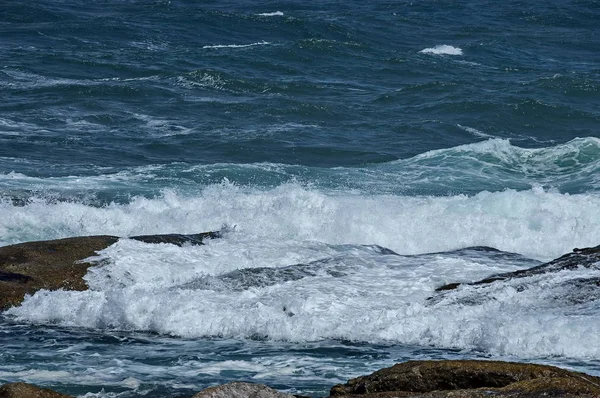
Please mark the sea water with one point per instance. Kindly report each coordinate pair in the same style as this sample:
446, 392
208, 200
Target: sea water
355, 156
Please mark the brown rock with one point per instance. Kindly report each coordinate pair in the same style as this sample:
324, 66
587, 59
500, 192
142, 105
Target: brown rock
55, 264
465, 379
241, 390
28, 267
23, 390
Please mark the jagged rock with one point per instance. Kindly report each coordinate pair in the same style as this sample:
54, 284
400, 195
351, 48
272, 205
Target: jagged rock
241, 390
587, 258
57, 264
23, 390
467, 378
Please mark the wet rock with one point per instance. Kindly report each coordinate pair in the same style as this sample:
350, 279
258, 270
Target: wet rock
58, 264
464, 379
28, 267
259, 277
336, 266
178, 239
586, 258
23, 390
241, 390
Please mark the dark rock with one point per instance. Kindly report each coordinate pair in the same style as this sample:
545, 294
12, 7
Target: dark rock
449, 286
28, 267
178, 239
241, 390
259, 277
438, 379
586, 258
13, 277
23, 390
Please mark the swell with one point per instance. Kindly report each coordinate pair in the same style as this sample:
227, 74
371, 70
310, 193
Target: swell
490, 165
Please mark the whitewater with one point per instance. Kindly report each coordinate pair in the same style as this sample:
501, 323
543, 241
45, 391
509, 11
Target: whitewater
353, 158
298, 262
297, 267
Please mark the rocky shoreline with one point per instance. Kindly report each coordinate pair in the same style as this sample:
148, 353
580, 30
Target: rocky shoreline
413, 379
61, 264
56, 264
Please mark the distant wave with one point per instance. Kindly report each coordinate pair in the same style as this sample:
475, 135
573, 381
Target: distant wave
271, 14
580, 151
443, 49
25, 80
489, 165
260, 43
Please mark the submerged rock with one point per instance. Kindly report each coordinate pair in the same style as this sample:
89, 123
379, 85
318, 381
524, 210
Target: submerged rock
586, 258
24, 390
468, 378
58, 264
241, 390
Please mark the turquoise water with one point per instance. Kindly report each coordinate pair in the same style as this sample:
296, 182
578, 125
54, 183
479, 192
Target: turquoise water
337, 142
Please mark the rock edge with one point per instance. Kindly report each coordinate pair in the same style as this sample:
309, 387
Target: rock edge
56, 264
414, 379
470, 378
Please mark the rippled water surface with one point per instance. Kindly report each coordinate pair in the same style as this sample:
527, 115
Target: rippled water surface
336, 145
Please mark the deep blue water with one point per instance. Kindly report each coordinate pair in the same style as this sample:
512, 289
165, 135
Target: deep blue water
309, 132
123, 84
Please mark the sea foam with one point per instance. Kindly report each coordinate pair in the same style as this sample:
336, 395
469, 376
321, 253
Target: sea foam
271, 14
259, 43
489, 165
360, 295
536, 223
443, 49
299, 264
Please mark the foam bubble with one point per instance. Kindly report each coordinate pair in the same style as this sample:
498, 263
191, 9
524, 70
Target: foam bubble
443, 49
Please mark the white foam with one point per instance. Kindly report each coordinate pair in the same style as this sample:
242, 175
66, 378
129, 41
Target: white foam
535, 223
161, 127
571, 164
88, 377
475, 132
494, 164
260, 43
371, 298
104, 394
271, 14
37, 375
443, 49
355, 293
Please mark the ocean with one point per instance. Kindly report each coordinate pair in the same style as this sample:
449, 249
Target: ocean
354, 155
